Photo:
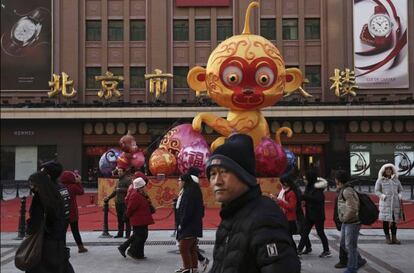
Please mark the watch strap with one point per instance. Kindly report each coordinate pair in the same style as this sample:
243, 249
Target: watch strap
39, 14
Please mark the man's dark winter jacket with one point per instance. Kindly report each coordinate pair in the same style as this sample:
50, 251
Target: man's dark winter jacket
253, 237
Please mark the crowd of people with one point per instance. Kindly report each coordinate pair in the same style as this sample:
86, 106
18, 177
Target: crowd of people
255, 233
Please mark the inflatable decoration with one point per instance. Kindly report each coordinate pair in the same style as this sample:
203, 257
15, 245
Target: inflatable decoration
131, 155
162, 162
194, 155
176, 140
271, 158
243, 74
179, 137
107, 162
291, 161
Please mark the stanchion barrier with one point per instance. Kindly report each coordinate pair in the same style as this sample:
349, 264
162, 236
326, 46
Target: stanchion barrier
105, 233
22, 220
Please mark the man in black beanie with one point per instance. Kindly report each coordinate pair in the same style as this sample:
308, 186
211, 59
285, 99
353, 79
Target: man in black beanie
253, 234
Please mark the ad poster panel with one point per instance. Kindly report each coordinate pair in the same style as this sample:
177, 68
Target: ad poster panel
380, 43
366, 159
26, 44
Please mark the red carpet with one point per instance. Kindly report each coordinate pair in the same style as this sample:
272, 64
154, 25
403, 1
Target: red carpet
91, 215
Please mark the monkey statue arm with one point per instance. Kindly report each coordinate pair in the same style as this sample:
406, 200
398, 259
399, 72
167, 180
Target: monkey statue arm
220, 125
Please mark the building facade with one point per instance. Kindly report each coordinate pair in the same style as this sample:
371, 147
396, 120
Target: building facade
134, 37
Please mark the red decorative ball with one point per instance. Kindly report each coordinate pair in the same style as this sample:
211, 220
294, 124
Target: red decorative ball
270, 158
162, 162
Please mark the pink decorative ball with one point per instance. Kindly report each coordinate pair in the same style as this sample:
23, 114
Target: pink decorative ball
195, 155
270, 158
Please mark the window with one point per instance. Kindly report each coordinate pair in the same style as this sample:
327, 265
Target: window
118, 71
180, 30
91, 72
224, 29
313, 74
290, 29
137, 77
115, 30
312, 29
137, 30
93, 30
46, 153
8, 159
180, 77
202, 30
268, 28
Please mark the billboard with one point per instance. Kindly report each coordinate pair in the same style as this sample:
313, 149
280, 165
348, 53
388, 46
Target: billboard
26, 44
380, 44
366, 159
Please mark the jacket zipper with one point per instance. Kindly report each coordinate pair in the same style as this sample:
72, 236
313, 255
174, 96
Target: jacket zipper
226, 242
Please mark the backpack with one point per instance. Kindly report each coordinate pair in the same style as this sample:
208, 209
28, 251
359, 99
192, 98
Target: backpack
368, 211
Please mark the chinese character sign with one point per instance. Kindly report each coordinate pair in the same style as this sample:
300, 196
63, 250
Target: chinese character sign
343, 82
158, 82
109, 85
380, 43
61, 84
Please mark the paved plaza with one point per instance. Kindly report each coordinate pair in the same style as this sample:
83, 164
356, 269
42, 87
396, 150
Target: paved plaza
103, 257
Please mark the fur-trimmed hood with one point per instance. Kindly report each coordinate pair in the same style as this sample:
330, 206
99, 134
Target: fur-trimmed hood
382, 170
321, 183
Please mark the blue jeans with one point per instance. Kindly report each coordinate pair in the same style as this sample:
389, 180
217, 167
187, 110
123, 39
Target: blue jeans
349, 241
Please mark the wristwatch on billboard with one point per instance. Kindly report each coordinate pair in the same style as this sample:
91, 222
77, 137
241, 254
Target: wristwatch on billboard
25, 32
378, 31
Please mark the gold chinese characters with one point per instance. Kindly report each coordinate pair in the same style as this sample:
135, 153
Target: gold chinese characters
343, 82
158, 81
61, 84
109, 84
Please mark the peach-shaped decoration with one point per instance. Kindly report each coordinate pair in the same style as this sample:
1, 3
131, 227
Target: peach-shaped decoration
270, 158
162, 162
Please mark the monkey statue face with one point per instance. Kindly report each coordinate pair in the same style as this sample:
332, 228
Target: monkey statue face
245, 72
128, 144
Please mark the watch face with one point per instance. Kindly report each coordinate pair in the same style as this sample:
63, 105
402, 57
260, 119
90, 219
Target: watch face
24, 30
379, 25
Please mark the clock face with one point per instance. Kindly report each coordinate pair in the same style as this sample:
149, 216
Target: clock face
380, 25
24, 30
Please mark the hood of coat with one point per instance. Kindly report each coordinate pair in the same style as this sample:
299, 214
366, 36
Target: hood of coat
382, 170
321, 183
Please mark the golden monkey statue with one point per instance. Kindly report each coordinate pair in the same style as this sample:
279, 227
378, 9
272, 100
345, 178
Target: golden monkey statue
244, 74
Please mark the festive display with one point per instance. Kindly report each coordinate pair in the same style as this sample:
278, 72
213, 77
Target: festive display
243, 74
107, 162
131, 156
183, 140
194, 155
291, 161
162, 162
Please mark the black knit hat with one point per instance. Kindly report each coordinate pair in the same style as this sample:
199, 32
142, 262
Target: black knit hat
237, 156
52, 168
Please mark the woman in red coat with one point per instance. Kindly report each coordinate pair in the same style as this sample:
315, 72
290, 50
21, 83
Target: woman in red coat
72, 182
140, 216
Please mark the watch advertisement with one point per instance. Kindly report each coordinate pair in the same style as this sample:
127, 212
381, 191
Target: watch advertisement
366, 159
380, 44
26, 44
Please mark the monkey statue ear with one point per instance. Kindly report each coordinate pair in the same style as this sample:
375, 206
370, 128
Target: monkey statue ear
294, 79
196, 79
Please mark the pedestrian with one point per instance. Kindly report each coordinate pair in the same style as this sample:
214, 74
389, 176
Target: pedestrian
140, 215
289, 201
389, 190
253, 235
189, 220
72, 182
347, 214
47, 207
314, 200
119, 193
